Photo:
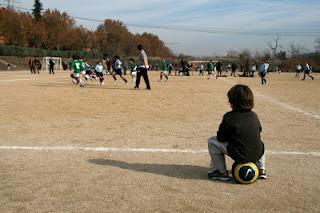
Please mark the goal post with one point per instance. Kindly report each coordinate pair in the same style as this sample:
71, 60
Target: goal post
57, 63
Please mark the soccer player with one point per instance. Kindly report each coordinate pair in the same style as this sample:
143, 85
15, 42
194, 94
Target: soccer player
118, 69
307, 71
170, 68
201, 67
210, 69
298, 70
99, 71
133, 71
263, 71
233, 69
218, 68
77, 67
37, 66
164, 70
51, 66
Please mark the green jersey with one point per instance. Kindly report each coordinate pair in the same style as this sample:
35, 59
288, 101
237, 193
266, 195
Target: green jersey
77, 66
164, 66
133, 67
211, 66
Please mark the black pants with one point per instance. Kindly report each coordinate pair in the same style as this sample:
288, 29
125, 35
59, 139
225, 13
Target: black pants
263, 78
219, 72
51, 70
144, 73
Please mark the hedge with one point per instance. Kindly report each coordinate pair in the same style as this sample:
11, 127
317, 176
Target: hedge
12, 50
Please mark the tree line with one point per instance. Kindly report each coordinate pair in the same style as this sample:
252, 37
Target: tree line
55, 30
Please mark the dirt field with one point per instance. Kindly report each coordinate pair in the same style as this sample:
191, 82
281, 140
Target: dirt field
51, 131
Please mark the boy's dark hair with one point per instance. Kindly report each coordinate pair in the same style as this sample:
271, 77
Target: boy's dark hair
241, 98
140, 47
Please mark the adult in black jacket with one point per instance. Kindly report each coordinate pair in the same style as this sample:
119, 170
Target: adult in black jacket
238, 135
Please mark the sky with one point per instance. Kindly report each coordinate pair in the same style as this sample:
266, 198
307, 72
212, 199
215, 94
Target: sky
204, 27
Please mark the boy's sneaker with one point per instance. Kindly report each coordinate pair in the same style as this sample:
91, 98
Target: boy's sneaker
217, 175
262, 174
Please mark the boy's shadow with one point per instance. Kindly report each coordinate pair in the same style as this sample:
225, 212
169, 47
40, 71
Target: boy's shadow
176, 171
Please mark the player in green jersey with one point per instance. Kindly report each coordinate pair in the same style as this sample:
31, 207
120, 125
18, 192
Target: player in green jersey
211, 67
164, 69
133, 71
77, 66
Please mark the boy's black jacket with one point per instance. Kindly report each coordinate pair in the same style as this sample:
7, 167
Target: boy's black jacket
242, 131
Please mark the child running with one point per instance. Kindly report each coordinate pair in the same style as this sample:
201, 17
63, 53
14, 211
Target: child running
164, 70
77, 67
307, 71
210, 69
87, 73
99, 71
263, 70
118, 70
201, 67
298, 70
133, 71
238, 135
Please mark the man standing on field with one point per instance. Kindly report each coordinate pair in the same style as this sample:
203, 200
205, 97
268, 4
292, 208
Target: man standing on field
51, 66
142, 68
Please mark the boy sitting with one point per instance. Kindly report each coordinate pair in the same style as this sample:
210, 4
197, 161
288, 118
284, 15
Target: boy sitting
238, 135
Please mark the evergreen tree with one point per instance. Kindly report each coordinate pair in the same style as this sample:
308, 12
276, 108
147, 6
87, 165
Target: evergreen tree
37, 8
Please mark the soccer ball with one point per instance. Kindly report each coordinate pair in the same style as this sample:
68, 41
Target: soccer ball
245, 173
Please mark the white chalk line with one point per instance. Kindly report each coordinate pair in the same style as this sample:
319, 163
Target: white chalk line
29, 79
139, 150
19, 79
287, 106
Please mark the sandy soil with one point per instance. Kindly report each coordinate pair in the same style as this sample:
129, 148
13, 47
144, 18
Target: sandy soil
179, 114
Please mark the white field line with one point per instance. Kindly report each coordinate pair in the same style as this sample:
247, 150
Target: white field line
287, 106
28, 79
139, 150
21, 79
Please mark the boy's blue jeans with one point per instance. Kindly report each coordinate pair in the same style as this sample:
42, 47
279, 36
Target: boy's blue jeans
218, 150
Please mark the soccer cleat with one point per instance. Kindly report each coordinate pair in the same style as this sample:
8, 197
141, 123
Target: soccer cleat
262, 174
102, 83
217, 175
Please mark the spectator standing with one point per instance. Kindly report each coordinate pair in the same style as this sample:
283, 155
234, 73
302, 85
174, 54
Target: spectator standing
143, 66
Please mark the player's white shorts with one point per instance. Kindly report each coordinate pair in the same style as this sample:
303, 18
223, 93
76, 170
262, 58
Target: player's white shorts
166, 72
134, 73
76, 75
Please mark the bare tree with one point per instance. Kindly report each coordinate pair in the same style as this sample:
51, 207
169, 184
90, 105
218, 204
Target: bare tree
274, 45
262, 54
297, 50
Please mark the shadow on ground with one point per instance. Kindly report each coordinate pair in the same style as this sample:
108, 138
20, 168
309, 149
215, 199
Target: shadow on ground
176, 171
